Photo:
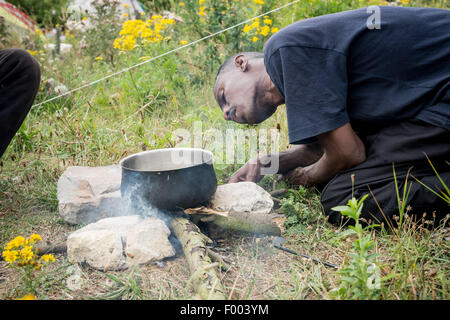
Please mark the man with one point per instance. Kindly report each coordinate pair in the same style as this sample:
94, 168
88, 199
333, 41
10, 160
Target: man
360, 97
19, 82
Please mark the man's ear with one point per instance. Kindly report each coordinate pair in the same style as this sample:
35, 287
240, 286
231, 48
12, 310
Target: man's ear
241, 62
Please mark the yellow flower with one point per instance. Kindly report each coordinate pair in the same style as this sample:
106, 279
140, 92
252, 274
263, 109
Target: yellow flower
201, 1
15, 243
268, 21
264, 30
10, 256
33, 53
27, 297
247, 28
98, 58
27, 253
255, 39
148, 31
183, 42
259, 1
125, 15
202, 11
274, 30
32, 239
84, 18
125, 5
181, 4
48, 258
35, 237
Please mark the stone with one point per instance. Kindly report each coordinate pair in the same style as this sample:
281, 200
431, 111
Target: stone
75, 279
88, 194
100, 249
242, 197
120, 242
148, 242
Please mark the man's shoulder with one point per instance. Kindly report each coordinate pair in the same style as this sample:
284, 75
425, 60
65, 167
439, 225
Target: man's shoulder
313, 32
337, 31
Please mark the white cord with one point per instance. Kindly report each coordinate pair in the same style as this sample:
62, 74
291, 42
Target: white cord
164, 54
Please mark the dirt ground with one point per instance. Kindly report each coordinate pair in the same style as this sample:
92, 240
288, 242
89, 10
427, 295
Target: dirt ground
255, 270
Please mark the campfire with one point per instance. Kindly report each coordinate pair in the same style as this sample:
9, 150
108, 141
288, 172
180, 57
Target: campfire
131, 219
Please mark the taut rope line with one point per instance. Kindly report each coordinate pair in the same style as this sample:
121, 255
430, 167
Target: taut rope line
163, 54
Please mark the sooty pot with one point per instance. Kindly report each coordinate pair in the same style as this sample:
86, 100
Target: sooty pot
168, 179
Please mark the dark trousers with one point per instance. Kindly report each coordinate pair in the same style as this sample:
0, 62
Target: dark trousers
20, 76
402, 144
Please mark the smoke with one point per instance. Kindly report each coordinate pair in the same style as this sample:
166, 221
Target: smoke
133, 204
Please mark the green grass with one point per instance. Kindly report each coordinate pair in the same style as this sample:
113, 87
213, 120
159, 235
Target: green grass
140, 110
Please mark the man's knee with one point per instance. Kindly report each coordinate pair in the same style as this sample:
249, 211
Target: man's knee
23, 62
382, 204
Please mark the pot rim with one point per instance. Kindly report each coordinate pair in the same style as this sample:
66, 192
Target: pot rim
209, 161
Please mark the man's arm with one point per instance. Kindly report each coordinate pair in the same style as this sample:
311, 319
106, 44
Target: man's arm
342, 149
298, 156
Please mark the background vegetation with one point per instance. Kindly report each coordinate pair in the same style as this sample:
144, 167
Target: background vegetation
140, 109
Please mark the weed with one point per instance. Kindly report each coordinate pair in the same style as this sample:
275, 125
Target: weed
443, 194
100, 37
360, 278
125, 287
21, 254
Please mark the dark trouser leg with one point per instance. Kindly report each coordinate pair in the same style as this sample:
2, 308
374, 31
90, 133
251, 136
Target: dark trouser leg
404, 145
19, 82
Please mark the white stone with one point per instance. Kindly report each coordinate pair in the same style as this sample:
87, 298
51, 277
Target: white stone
75, 279
88, 194
100, 249
148, 242
104, 245
242, 197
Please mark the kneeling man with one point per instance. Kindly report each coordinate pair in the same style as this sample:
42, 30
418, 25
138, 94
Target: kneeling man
359, 99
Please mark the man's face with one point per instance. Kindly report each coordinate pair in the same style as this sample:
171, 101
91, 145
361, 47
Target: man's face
241, 97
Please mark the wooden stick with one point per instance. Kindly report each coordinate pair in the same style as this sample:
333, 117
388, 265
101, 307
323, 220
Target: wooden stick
270, 224
203, 272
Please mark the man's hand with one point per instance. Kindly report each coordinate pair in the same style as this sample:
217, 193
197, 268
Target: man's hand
251, 171
342, 150
299, 156
296, 177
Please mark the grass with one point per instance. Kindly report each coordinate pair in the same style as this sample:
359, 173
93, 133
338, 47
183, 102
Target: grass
140, 110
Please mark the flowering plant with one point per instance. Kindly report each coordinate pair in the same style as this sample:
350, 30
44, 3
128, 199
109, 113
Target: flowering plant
205, 17
148, 31
22, 255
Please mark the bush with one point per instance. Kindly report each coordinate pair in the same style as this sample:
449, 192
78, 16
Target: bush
156, 5
100, 39
45, 12
4, 34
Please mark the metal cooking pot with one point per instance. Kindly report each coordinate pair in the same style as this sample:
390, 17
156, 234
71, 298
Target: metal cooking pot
168, 179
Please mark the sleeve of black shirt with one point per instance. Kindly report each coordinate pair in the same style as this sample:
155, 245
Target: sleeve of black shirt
313, 82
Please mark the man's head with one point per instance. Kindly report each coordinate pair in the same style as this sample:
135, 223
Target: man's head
243, 89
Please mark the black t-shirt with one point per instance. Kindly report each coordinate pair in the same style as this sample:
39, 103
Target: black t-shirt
334, 69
